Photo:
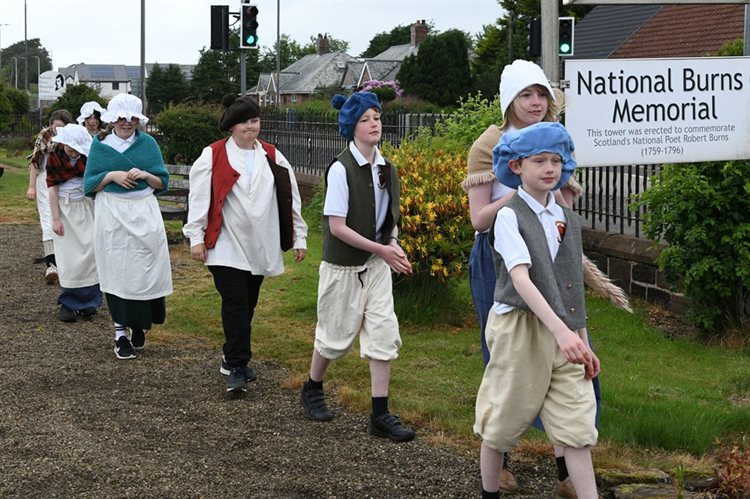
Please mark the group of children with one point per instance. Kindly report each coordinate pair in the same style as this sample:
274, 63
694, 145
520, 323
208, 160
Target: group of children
101, 225
245, 211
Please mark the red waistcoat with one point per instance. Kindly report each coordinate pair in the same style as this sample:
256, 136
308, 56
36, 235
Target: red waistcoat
223, 178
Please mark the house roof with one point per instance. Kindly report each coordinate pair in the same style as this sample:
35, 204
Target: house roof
380, 70
397, 52
311, 72
695, 30
606, 27
116, 72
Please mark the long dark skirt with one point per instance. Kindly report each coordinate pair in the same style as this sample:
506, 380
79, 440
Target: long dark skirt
138, 314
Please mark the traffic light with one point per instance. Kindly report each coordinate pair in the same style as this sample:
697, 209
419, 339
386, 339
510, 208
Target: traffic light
535, 37
219, 27
249, 26
565, 43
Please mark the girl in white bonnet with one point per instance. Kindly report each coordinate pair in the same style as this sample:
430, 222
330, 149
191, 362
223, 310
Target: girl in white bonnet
124, 173
91, 117
72, 224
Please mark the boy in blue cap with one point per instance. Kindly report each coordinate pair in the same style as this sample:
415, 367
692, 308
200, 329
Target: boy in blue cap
540, 360
360, 249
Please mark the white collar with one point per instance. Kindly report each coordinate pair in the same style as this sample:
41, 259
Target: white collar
535, 206
361, 161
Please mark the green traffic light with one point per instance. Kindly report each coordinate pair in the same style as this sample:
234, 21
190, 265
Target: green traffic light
564, 48
251, 40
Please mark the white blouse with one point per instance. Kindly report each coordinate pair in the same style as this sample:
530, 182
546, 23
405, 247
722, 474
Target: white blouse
249, 237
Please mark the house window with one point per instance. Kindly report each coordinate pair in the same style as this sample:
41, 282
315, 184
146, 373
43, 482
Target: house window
294, 98
115, 85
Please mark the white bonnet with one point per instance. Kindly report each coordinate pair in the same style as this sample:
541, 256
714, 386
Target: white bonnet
124, 106
88, 109
516, 77
75, 136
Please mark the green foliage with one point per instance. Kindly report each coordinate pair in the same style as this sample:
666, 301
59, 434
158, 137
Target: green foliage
213, 76
490, 56
19, 101
187, 129
165, 86
18, 50
411, 104
291, 52
700, 210
73, 98
6, 110
733, 48
334, 44
382, 41
440, 72
461, 129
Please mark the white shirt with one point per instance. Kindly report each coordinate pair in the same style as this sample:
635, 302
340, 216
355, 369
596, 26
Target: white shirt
71, 188
249, 237
510, 244
337, 190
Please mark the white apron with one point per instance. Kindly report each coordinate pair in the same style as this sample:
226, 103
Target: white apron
130, 245
42, 204
74, 250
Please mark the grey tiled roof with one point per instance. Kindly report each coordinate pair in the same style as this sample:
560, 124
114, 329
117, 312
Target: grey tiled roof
397, 52
380, 69
311, 72
607, 27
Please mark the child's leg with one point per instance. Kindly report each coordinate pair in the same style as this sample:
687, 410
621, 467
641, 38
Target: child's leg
581, 472
318, 366
490, 465
380, 377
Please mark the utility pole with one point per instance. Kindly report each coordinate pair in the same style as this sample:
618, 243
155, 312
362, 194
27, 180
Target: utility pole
142, 75
1, 44
25, 51
550, 34
278, 52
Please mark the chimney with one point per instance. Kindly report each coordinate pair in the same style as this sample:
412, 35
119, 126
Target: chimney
322, 44
418, 32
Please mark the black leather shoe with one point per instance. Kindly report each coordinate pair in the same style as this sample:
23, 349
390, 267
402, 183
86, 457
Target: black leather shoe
314, 404
67, 315
236, 383
389, 426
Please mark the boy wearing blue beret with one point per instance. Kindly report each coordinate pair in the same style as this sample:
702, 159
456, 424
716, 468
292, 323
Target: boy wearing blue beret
540, 360
360, 249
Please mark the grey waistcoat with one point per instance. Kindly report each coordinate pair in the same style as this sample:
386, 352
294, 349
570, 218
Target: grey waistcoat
560, 281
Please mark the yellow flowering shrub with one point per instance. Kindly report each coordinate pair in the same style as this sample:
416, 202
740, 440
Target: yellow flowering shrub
435, 231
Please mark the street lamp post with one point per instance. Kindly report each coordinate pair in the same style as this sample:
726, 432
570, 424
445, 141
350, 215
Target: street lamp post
1, 44
15, 61
38, 74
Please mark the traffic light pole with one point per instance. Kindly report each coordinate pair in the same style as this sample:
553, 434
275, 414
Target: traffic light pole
550, 35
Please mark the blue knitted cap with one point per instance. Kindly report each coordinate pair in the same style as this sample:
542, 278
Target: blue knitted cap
538, 138
351, 109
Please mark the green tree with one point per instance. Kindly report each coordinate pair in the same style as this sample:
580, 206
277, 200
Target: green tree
291, 52
74, 97
165, 86
187, 128
440, 72
18, 50
19, 101
6, 109
384, 40
488, 60
334, 44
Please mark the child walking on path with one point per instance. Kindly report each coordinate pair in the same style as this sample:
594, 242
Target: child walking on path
244, 213
540, 359
38, 187
124, 172
73, 224
360, 249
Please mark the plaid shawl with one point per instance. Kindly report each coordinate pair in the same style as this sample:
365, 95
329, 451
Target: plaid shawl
60, 169
144, 154
42, 145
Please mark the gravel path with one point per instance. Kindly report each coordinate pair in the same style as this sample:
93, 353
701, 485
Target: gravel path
76, 422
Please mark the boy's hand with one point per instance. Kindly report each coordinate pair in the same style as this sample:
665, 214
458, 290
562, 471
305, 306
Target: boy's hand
31, 194
593, 368
574, 349
199, 252
395, 257
299, 254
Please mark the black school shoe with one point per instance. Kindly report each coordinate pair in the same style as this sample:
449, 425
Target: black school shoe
124, 349
66, 314
389, 426
314, 404
138, 339
225, 369
236, 383
87, 313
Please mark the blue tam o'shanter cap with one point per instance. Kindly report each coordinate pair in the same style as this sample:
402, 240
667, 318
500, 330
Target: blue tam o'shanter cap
538, 138
351, 109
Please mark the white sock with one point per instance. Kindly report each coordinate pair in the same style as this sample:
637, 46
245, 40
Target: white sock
120, 331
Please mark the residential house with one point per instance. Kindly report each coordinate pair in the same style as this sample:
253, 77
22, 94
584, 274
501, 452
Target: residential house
298, 82
112, 79
386, 65
653, 31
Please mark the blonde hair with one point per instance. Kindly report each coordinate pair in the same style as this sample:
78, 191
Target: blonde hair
555, 107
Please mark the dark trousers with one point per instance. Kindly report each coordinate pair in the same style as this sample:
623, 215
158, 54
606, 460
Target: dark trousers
239, 290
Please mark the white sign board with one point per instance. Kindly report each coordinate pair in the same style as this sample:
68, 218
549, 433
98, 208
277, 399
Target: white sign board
647, 111
51, 85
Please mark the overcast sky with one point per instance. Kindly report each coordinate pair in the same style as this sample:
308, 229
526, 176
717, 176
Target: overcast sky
108, 31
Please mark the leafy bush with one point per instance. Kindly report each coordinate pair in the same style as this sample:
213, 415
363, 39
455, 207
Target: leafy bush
186, 129
410, 104
385, 90
701, 210
73, 98
734, 473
